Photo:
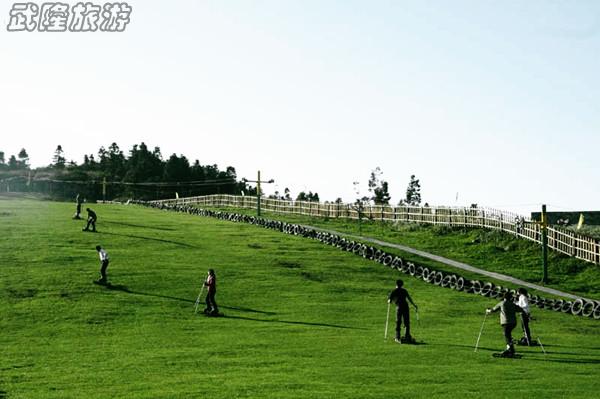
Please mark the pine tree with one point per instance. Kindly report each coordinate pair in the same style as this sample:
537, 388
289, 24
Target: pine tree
382, 195
58, 161
413, 192
23, 162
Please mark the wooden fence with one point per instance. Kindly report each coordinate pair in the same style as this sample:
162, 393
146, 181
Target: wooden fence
561, 240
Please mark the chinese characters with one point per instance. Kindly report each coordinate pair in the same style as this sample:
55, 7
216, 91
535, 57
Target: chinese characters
61, 17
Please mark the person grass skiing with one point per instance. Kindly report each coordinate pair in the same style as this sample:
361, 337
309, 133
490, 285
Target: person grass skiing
104, 260
211, 284
91, 220
78, 201
523, 303
399, 296
508, 321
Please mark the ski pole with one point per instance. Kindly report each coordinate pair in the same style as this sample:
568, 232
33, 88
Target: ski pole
198, 299
525, 332
387, 318
541, 346
480, 331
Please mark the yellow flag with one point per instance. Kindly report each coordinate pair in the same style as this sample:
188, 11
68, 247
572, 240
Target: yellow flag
581, 220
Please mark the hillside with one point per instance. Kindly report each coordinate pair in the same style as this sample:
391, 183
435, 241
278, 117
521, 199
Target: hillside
486, 249
301, 319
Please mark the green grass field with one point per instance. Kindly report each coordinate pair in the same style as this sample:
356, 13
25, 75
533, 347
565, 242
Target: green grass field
486, 249
302, 320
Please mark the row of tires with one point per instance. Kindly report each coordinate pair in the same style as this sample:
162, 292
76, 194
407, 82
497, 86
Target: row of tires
578, 307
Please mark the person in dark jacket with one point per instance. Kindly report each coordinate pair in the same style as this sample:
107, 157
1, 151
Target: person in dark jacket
91, 220
400, 296
79, 201
211, 284
508, 320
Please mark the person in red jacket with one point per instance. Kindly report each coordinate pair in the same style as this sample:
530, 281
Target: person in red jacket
211, 284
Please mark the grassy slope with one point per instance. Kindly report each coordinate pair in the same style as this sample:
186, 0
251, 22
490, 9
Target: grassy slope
303, 319
487, 249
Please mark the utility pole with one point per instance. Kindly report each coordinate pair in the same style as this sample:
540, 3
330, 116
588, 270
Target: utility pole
258, 192
104, 189
544, 244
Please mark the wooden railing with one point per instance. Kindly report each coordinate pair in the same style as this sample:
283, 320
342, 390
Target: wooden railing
561, 240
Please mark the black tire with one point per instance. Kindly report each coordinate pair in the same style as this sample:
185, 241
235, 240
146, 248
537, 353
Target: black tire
476, 287
577, 307
438, 278
431, 277
363, 250
387, 261
446, 281
486, 289
566, 307
541, 302
419, 271
405, 266
596, 314
460, 284
496, 292
411, 268
453, 280
588, 309
558, 304
397, 263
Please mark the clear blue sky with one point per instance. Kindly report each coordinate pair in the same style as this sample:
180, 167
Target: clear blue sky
498, 101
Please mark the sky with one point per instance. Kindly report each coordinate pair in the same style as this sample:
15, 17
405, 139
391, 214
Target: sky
487, 102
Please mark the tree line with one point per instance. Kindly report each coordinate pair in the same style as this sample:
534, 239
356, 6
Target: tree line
142, 173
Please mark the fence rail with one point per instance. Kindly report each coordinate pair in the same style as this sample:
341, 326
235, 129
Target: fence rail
561, 240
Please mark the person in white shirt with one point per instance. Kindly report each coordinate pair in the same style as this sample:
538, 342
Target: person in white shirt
103, 264
523, 303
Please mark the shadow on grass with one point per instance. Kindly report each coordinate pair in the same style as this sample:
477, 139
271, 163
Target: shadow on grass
588, 348
293, 322
247, 310
151, 239
140, 225
123, 288
562, 360
538, 356
480, 348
